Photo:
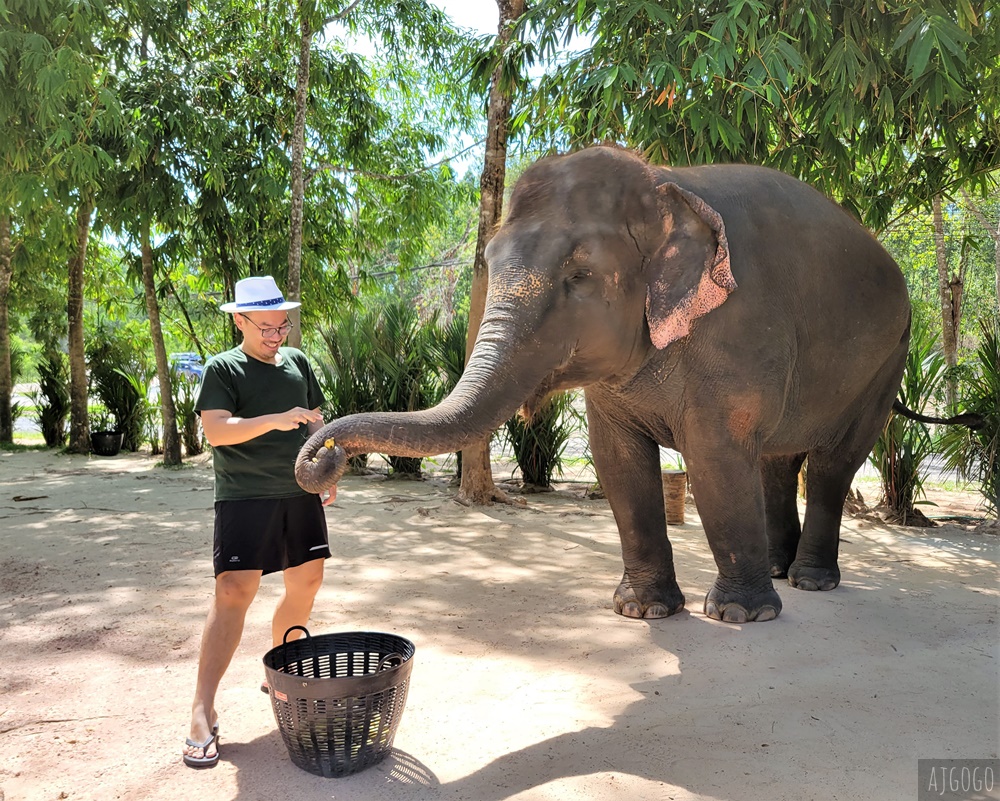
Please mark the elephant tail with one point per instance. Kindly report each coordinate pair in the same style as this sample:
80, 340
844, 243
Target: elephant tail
970, 419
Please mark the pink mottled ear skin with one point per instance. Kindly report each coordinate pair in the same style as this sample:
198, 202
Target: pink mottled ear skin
707, 296
715, 281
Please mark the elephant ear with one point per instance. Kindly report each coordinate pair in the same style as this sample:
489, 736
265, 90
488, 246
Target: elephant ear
689, 273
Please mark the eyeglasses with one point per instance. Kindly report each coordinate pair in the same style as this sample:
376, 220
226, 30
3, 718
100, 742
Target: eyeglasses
267, 333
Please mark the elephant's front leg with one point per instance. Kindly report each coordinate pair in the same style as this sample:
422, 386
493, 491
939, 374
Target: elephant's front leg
726, 482
628, 465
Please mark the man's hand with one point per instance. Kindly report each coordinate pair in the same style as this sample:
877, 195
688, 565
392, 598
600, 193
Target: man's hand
329, 496
293, 418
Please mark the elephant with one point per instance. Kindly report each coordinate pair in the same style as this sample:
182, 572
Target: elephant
730, 312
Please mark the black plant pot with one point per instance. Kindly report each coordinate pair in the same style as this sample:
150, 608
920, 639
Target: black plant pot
106, 443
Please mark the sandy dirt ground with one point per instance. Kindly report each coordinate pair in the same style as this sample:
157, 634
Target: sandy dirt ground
525, 684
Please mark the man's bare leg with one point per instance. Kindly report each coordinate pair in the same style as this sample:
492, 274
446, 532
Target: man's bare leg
301, 585
234, 592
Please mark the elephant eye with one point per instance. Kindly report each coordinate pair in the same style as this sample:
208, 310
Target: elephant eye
579, 283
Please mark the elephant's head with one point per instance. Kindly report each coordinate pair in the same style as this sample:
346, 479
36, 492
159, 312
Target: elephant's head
598, 260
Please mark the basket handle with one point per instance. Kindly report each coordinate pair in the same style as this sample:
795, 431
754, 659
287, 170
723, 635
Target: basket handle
383, 663
309, 639
303, 629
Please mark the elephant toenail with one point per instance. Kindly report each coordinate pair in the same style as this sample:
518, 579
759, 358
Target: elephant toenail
735, 614
767, 613
806, 584
631, 609
655, 611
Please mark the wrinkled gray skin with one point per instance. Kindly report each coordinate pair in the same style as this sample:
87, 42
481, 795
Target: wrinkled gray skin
730, 312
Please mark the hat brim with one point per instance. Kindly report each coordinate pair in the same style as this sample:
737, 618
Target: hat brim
236, 307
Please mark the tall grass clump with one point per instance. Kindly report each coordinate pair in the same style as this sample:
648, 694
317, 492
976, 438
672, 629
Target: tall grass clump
538, 443
975, 454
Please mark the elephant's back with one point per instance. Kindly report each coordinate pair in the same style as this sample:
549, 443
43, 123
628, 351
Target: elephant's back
813, 283
791, 244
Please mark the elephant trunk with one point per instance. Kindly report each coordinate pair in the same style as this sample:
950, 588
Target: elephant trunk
488, 393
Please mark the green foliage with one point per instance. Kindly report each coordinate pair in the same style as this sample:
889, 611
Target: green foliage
905, 445
385, 359
875, 103
345, 370
970, 254
401, 361
19, 355
120, 375
538, 443
373, 124
447, 353
53, 98
51, 399
102, 420
976, 454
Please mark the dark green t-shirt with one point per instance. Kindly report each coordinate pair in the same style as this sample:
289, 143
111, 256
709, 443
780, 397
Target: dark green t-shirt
263, 467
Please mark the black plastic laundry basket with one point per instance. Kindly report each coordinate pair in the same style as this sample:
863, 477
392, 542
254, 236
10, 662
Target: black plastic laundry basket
338, 698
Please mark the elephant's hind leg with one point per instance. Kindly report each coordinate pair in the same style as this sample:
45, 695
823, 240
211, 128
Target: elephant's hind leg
815, 566
831, 470
779, 475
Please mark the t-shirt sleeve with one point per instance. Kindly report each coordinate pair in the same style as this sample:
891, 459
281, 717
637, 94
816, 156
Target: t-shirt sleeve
315, 393
215, 391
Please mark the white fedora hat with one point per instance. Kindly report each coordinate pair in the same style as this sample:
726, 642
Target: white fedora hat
259, 293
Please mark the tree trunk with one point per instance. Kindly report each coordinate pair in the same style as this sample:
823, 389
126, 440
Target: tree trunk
79, 424
171, 439
949, 309
294, 288
477, 474
6, 373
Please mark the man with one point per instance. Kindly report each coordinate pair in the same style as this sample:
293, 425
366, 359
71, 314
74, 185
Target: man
259, 402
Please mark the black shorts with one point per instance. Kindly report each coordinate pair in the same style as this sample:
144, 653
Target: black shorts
269, 534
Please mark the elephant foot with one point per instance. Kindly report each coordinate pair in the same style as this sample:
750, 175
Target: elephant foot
813, 578
779, 567
647, 604
742, 606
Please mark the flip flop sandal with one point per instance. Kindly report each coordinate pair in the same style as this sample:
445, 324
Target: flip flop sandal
203, 761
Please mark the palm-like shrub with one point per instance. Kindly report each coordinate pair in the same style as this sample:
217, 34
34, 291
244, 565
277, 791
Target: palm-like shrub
905, 445
975, 454
184, 387
345, 370
538, 443
18, 361
379, 359
52, 398
447, 353
120, 375
404, 380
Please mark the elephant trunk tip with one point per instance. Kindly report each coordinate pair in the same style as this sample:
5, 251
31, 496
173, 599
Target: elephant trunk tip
320, 464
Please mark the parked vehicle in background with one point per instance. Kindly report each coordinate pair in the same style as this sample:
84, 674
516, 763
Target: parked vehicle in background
188, 364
